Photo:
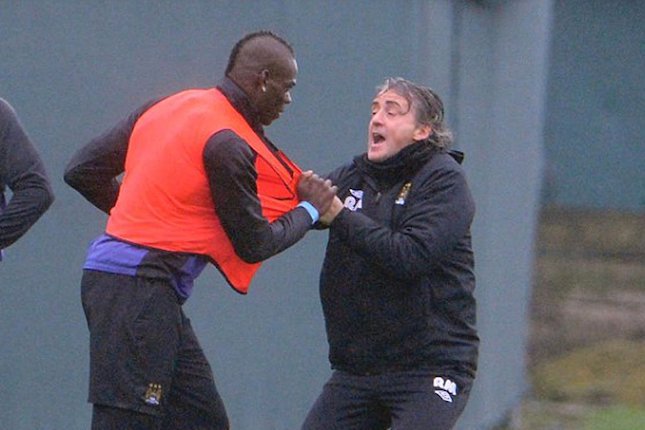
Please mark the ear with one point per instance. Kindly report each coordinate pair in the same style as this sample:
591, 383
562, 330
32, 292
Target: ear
263, 77
422, 132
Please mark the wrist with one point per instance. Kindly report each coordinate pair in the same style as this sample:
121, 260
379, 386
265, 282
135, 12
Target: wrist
311, 210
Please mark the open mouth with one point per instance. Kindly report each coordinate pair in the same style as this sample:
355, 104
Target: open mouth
377, 138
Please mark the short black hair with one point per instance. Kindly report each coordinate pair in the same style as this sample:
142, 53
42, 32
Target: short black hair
235, 52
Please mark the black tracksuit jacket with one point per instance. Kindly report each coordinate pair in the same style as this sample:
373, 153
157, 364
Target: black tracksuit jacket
397, 280
23, 172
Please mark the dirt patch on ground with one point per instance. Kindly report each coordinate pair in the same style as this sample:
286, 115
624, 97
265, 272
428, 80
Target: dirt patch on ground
589, 281
587, 334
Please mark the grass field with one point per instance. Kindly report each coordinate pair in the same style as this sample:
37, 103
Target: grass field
587, 344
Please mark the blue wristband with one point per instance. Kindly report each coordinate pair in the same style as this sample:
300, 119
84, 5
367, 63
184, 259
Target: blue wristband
313, 212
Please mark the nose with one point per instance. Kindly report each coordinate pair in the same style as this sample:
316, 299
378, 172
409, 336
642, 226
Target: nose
377, 117
287, 97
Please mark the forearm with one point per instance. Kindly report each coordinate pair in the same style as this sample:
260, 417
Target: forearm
100, 189
232, 177
429, 229
21, 170
260, 241
25, 208
93, 169
401, 255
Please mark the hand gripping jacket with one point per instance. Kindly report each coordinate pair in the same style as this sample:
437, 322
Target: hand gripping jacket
165, 201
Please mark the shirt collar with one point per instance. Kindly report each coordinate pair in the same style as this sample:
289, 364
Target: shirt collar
240, 102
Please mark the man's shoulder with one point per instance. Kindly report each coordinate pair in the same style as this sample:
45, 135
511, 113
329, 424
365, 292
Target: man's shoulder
4, 104
226, 144
445, 161
7, 112
441, 168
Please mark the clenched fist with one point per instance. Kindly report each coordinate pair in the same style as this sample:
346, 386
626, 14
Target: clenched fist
316, 190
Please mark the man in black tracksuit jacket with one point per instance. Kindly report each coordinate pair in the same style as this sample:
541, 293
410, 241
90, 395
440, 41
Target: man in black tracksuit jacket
397, 280
23, 172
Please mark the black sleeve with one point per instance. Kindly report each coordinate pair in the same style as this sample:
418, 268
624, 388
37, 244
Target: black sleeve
230, 166
438, 215
94, 168
22, 170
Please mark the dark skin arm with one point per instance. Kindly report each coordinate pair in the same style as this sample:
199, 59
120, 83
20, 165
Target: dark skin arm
317, 191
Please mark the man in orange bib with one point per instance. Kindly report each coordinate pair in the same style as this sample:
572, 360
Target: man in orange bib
202, 183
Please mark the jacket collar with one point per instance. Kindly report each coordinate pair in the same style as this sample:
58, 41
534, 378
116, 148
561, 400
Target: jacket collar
401, 166
240, 102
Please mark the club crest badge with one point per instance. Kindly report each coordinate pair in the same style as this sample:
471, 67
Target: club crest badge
153, 394
403, 194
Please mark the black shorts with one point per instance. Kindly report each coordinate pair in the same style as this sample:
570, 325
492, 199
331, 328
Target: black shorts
144, 355
405, 400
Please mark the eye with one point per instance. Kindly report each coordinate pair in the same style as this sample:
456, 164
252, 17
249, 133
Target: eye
391, 112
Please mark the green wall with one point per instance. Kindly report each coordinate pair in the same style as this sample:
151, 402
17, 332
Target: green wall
596, 106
